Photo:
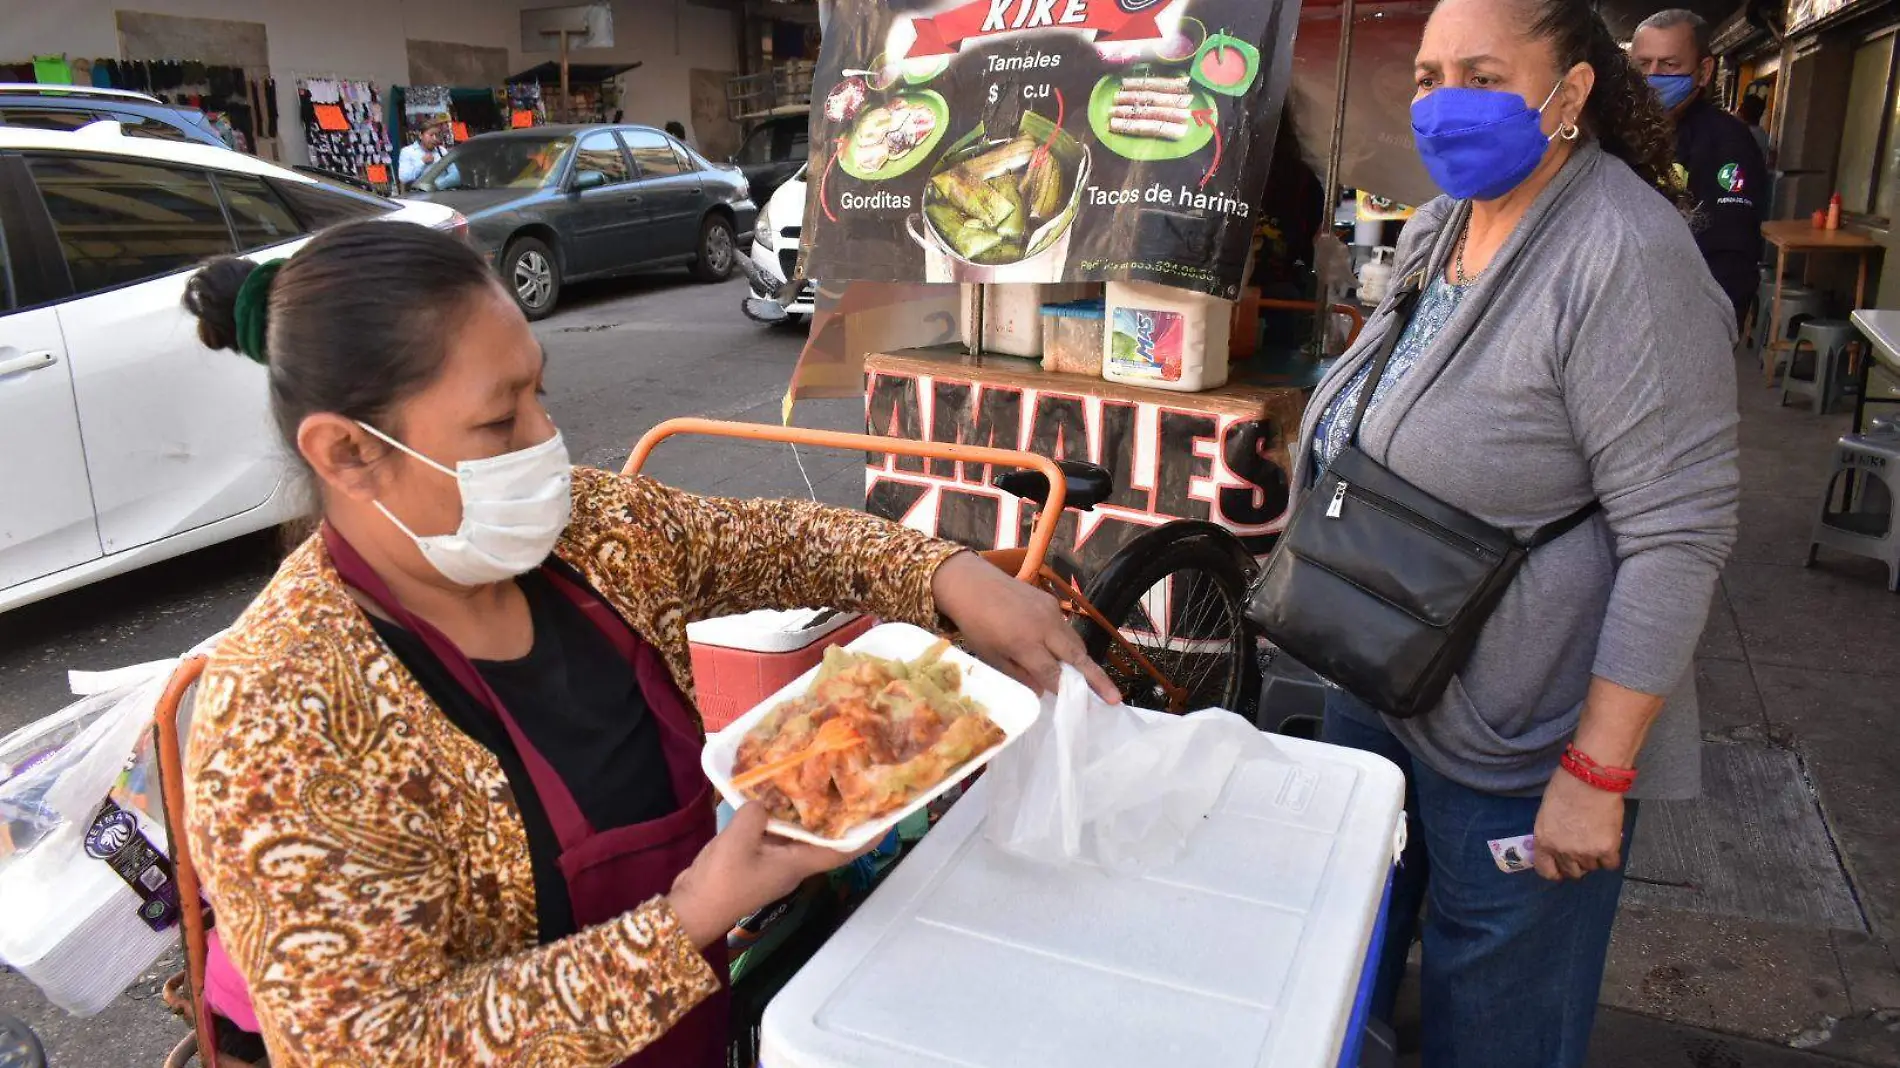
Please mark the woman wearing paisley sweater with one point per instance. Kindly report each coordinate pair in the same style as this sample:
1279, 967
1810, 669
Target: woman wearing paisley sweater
442, 777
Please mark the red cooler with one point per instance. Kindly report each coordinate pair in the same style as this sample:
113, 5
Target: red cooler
739, 661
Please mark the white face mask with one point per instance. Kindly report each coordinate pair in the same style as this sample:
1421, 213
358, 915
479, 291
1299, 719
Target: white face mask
514, 508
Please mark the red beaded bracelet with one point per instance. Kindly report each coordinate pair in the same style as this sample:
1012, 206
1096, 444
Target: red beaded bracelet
1615, 780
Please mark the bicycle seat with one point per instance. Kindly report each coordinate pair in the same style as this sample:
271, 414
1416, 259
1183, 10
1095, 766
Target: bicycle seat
1085, 485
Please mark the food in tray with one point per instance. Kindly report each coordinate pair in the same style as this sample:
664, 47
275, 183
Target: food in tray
869, 737
886, 134
1000, 201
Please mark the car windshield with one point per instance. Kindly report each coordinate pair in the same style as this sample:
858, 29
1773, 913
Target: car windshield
498, 163
766, 145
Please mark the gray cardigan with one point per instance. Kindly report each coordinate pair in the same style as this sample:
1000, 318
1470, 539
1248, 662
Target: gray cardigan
1591, 359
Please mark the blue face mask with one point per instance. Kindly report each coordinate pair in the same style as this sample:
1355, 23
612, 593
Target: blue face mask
1479, 144
1673, 88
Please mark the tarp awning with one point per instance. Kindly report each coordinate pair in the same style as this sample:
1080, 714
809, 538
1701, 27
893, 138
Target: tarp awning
549, 73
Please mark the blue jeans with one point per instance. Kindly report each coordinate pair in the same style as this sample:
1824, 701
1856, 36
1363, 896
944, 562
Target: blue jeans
1511, 964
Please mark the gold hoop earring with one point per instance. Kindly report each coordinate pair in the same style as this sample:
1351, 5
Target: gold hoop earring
1568, 131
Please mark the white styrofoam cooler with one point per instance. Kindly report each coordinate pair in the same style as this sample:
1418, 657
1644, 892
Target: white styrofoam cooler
1245, 953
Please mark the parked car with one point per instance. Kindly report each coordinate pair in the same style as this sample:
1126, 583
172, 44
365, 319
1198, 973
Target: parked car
122, 440
773, 152
556, 204
775, 243
69, 107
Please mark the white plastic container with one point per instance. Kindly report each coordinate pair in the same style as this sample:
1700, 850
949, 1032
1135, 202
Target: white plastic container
1246, 953
1376, 276
1165, 338
1012, 313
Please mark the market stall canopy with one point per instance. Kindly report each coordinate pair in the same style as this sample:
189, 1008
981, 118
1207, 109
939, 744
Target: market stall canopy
1378, 155
549, 73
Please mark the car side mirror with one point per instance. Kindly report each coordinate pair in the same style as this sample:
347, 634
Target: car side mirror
589, 180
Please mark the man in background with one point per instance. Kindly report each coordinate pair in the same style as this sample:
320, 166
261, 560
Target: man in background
416, 156
1716, 157
1750, 112
677, 131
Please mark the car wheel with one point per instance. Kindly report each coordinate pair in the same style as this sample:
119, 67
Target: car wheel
718, 250
533, 274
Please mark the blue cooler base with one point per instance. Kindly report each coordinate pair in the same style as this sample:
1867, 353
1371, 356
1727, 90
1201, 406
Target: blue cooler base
1368, 975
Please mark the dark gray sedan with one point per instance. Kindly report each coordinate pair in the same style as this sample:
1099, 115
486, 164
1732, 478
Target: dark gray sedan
557, 204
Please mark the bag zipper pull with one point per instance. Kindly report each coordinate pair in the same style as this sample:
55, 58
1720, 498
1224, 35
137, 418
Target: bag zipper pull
1338, 503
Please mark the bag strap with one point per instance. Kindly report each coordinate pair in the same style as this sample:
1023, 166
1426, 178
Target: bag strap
1550, 532
1402, 308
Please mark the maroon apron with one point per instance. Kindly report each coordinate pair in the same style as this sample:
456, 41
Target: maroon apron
608, 872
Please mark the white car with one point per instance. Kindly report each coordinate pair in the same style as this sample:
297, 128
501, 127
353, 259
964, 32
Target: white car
123, 440
775, 243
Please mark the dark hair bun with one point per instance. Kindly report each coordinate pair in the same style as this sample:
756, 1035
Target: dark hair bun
211, 296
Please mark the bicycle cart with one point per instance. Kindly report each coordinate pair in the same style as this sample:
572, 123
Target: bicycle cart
1164, 614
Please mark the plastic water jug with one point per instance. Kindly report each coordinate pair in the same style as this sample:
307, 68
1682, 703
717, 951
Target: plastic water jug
1165, 338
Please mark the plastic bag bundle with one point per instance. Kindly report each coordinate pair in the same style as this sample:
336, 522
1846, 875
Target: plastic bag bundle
1110, 785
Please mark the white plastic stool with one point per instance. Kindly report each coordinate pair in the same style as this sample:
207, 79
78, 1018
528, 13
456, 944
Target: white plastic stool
1870, 529
1828, 339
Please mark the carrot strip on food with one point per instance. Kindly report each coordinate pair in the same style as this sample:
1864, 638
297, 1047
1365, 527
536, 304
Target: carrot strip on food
835, 735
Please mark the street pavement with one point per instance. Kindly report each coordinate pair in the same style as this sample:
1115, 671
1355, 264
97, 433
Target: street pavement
1712, 965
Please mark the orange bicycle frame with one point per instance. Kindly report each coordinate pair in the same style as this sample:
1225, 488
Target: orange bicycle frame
1040, 535
1028, 563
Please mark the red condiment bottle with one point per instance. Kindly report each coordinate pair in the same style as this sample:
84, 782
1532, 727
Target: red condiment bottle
1834, 212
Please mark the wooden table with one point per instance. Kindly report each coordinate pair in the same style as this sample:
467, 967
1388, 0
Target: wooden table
1222, 456
1798, 236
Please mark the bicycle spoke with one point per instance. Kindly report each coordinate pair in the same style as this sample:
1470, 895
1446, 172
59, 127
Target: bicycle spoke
1191, 633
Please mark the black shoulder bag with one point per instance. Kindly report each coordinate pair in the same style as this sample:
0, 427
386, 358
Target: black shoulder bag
1379, 586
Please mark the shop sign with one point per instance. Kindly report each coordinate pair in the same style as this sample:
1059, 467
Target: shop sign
1732, 34
1805, 13
1044, 140
1166, 462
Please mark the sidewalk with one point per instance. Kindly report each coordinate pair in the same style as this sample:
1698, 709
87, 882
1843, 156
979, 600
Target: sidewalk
1770, 908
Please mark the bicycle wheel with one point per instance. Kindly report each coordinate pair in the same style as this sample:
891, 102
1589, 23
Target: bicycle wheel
1179, 595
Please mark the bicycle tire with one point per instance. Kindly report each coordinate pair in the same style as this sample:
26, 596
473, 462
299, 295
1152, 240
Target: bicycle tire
1210, 561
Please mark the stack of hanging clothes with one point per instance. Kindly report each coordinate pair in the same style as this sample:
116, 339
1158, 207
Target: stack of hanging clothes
248, 102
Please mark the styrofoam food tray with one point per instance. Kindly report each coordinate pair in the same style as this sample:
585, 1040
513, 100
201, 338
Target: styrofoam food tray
1009, 703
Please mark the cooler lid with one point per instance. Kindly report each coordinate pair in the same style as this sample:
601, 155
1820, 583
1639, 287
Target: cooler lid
1245, 953
769, 630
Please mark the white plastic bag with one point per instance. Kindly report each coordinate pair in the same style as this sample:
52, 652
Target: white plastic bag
81, 820
1105, 784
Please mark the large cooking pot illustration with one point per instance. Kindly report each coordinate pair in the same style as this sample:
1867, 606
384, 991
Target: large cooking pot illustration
1002, 209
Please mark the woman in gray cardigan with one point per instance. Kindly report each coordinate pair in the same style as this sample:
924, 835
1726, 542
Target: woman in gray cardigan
1569, 346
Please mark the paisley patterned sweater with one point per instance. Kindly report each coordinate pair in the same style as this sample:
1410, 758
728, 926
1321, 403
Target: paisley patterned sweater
366, 859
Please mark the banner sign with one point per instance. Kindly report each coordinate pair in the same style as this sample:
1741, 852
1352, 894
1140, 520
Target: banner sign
1044, 140
1225, 464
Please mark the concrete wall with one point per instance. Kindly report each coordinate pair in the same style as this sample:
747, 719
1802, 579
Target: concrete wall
369, 39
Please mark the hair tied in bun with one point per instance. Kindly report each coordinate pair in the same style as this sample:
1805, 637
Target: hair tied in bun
251, 313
